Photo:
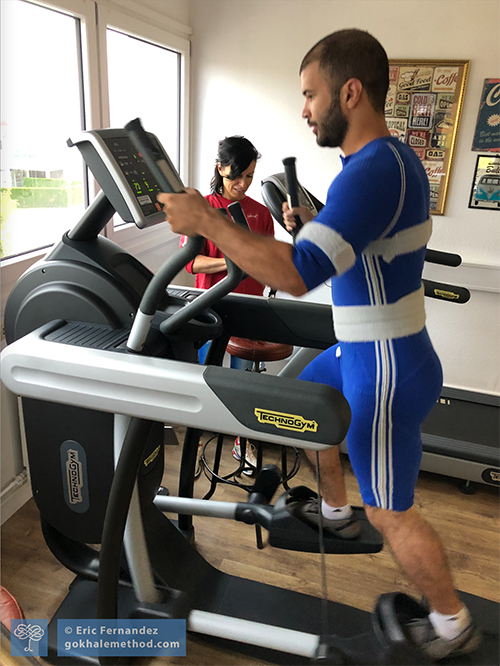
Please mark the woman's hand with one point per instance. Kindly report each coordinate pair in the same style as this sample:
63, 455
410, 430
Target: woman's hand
209, 265
290, 213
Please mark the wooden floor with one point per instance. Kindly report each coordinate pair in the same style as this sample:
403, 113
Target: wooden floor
468, 525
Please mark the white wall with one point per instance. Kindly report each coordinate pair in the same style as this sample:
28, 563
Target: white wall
245, 60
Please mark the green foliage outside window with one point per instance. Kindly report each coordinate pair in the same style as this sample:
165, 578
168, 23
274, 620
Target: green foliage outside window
7, 207
47, 193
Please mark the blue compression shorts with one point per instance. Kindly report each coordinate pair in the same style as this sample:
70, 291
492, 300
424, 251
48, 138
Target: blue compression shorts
391, 386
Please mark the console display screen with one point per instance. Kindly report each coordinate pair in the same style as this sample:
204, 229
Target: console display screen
138, 175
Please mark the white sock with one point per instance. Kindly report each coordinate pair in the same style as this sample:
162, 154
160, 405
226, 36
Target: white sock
450, 626
335, 512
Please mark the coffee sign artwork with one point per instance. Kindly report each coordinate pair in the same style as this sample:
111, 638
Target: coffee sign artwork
422, 109
487, 134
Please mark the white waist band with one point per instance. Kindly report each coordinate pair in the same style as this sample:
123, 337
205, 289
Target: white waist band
365, 323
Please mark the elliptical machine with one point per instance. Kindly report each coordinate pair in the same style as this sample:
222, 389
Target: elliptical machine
88, 370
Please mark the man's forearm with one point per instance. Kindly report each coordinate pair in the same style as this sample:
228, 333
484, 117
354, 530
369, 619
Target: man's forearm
267, 260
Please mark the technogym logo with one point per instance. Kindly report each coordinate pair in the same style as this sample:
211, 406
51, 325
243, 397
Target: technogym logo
74, 476
286, 421
450, 295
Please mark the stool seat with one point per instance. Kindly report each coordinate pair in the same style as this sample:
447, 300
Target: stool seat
257, 350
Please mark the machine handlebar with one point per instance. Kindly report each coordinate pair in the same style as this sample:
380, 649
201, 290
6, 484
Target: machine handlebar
443, 258
159, 163
293, 190
169, 181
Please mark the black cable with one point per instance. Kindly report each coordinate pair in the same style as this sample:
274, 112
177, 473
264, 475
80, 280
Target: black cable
295, 466
324, 582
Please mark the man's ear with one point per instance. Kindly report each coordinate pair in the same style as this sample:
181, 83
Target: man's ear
352, 90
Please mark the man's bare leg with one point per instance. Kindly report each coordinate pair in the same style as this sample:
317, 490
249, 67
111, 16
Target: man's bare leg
419, 551
332, 483
337, 514
415, 544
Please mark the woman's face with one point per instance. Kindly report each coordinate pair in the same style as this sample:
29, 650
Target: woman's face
235, 190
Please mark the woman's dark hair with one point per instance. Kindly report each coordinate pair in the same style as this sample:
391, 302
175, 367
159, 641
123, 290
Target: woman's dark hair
236, 152
354, 54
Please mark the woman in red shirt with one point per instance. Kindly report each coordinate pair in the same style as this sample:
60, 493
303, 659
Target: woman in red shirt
233, 174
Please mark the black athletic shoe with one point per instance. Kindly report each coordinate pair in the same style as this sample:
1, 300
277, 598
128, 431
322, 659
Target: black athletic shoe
345, 528
436, 648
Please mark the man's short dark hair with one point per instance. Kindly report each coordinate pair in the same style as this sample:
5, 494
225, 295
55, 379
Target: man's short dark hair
354, 54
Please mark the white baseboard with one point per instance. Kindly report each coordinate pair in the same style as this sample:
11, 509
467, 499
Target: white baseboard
14, 500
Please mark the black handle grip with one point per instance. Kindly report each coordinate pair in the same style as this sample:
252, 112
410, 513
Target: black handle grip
238, 215
443, 258
155, 290
446, 292
233, 278
159, 163
293, 190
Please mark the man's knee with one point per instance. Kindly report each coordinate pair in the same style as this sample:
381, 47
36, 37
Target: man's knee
386, 520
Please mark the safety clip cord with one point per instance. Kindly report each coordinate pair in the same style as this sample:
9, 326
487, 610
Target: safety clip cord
323, 642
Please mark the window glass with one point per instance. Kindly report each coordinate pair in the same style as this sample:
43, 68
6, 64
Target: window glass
144, 82
42, 193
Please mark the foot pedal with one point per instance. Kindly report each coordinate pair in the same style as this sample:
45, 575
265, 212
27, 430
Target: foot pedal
291, 533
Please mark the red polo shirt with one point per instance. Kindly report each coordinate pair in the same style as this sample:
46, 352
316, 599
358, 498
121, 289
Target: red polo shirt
260, 222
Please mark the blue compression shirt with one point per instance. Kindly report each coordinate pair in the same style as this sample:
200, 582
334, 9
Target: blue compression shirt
371, 237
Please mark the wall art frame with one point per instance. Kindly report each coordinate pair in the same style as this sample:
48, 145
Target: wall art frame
423, 109
485, 190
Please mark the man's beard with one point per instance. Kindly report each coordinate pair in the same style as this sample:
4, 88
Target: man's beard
333, 128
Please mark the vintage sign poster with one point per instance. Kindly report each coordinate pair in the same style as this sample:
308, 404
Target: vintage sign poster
423, 106
487, 134
423, 109
417, 139
413, 79
397, 127
485, 192
445, 79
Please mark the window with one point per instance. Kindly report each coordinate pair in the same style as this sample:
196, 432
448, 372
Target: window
41, 106
146, 76
57, 59
143, 82
134, 93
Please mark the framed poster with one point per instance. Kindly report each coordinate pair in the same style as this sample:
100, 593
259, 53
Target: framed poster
485, 192
487, 134
423, 108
